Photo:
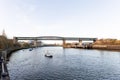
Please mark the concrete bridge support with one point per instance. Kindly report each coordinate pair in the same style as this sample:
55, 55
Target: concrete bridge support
35, 43
64, 43
94, 41
80, 42
15, 40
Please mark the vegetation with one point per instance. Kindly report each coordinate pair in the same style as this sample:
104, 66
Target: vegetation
7, 43
3, 42
107, 42
26, 45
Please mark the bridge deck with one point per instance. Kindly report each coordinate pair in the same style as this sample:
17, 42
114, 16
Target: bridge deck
54, 38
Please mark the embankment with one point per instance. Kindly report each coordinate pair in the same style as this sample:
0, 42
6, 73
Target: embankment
107, 47
10, 51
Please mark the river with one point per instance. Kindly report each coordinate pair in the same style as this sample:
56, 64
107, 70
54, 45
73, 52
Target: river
66, 64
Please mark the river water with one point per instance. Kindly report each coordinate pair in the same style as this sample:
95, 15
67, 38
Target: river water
66, 64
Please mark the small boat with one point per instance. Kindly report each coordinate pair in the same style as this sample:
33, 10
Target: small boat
48, 55
30, 49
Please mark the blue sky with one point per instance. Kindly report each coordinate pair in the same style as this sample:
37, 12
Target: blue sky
71, 18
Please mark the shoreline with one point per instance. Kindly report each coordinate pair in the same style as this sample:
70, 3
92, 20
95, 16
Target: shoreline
107, 47
10, 52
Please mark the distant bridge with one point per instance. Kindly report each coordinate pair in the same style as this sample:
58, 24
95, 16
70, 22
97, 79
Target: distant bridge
55, 38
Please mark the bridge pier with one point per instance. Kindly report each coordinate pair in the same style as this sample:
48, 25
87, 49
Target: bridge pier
80, 42
94, 40
15, 40
35, 43
64, 43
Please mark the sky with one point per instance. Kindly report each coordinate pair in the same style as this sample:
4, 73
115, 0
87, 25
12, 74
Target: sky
67, 18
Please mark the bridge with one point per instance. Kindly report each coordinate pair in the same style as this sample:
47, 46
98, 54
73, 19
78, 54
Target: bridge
64, 39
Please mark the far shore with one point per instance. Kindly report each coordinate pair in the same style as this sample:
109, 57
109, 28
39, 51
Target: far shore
107, 47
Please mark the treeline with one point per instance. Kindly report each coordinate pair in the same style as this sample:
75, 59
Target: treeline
107, 42
8, 44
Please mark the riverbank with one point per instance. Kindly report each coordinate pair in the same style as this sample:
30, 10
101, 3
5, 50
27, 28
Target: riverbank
4, 57
107, 47
9, 52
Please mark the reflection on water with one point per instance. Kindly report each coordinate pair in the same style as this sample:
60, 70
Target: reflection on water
66, 64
